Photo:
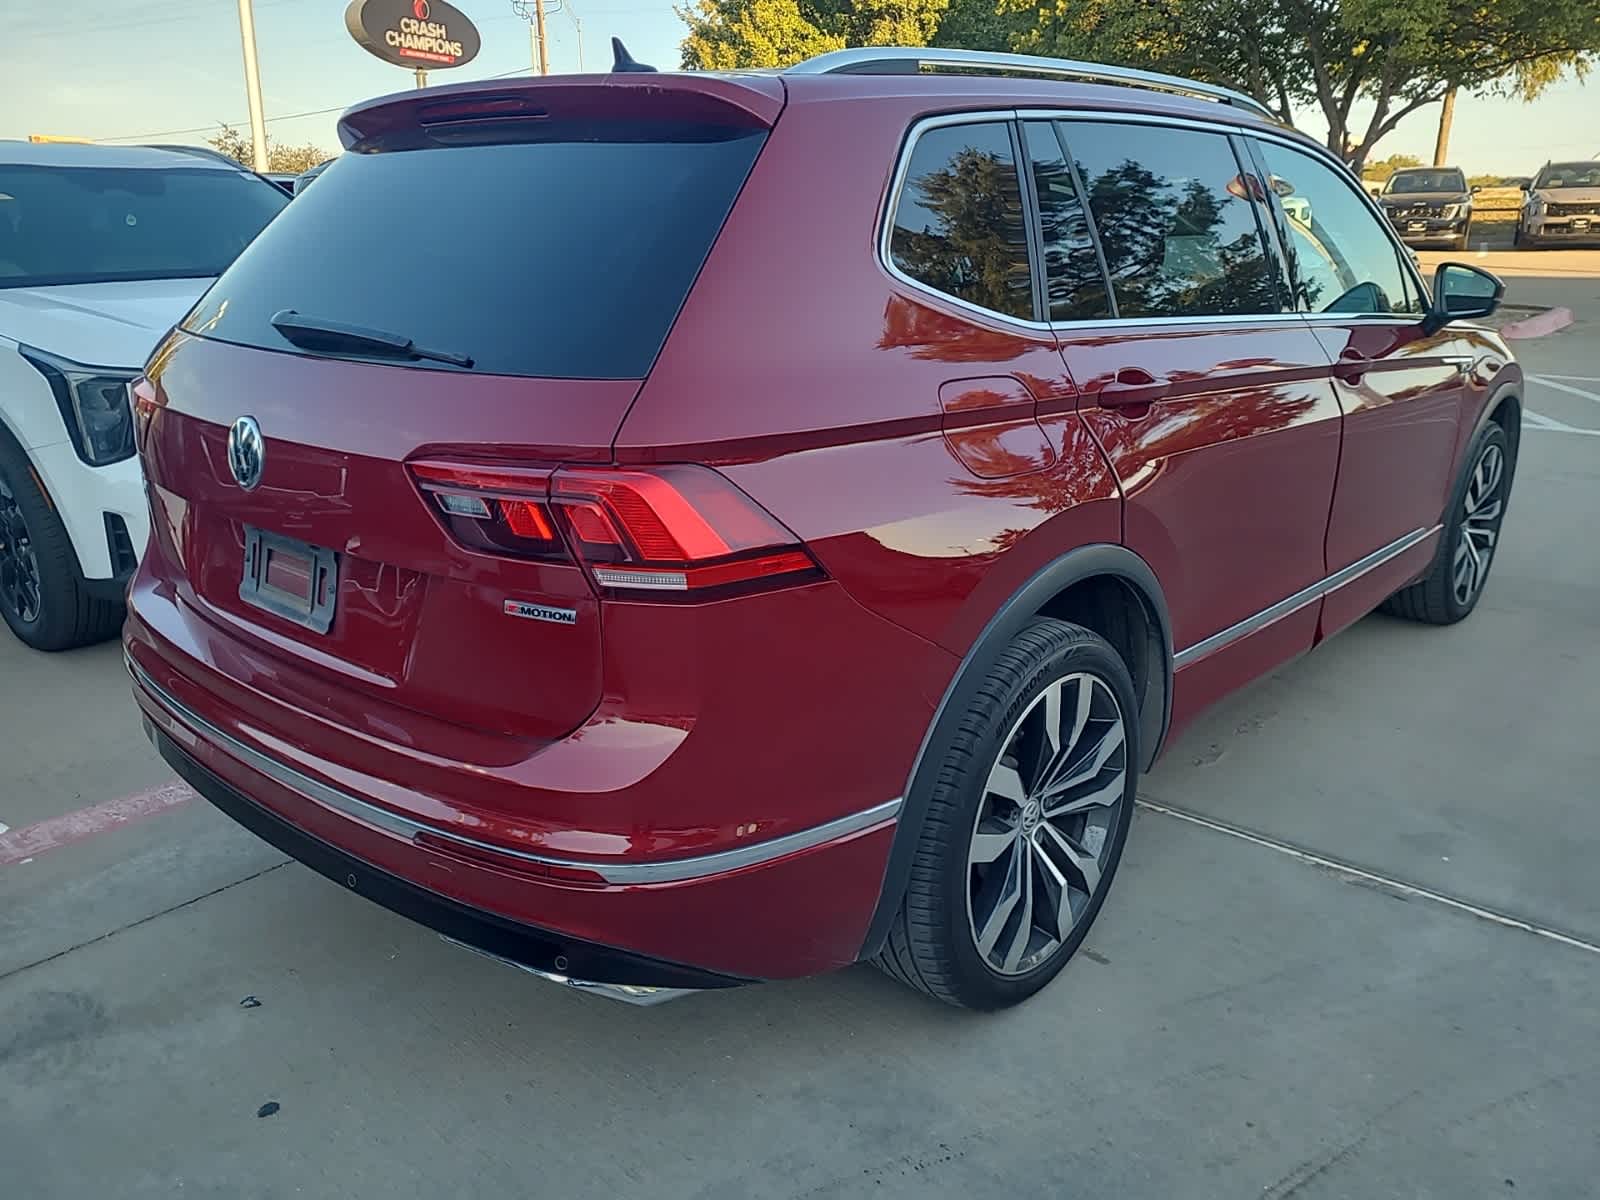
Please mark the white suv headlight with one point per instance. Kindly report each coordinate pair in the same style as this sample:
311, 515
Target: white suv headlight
94, 404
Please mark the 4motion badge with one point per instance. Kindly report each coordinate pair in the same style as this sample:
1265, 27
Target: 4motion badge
541, 612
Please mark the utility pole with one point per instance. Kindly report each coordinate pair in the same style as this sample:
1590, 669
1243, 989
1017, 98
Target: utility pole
544, 52
252, 85
1441, 145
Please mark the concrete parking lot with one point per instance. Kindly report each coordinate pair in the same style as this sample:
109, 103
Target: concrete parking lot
1354, 951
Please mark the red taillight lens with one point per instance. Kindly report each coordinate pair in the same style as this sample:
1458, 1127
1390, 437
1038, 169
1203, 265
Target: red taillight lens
673, 529
499, 509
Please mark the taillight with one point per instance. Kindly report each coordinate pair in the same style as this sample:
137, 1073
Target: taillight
677, 529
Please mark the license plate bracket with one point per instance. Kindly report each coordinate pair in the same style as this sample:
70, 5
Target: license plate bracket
1416, 226
1580, 224
290, 579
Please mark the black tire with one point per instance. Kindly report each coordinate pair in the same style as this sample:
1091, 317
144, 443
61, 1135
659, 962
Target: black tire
1521, 240
1435, 599
932, 945
1466, 236
65, 614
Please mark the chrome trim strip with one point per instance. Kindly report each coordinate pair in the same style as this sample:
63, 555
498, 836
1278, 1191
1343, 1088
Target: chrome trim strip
860, 60
627, 993
985, 116
674, 870
1253, 624
1284, 137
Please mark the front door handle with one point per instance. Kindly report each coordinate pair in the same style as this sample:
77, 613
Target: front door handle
1132, 387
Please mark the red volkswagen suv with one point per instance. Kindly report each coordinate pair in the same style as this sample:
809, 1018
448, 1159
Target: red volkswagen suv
669, 530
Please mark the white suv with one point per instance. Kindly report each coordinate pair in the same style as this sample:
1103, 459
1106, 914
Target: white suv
102, 250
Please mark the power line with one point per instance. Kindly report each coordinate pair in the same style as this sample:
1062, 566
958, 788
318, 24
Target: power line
140, 137
314, 112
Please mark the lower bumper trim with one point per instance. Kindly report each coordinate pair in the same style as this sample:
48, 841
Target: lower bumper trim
628, 993
621, 974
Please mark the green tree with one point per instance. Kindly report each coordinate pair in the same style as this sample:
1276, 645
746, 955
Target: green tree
288, 160
727, 34
1380, 171
1398, 55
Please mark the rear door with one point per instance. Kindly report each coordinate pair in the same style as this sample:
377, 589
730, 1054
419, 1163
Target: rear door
1403, 390
1210, 398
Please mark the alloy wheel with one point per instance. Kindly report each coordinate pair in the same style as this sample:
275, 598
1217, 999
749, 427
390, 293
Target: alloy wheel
19, 569
1480, 523
1041, 838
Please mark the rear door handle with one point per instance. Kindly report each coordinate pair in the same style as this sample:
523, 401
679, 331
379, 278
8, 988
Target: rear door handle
1132, 386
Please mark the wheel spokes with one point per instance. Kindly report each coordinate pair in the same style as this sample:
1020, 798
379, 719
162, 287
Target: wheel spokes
1044, 820
1089, 764
1007, 891
1096, 797
1085, 865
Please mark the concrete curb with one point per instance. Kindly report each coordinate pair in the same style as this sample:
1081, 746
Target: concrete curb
1541, 324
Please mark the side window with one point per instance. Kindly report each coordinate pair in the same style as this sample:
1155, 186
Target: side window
959, 224
1074, 284
1342, 259
1175, 220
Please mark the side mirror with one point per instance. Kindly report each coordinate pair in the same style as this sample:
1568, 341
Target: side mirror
1461, 292
1476, 188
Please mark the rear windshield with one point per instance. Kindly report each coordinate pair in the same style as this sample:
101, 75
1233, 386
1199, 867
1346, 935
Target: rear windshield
1427, 181
1572, 175
63, 225
562, 259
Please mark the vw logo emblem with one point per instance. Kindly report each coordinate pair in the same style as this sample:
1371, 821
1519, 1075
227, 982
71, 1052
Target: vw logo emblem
247, 452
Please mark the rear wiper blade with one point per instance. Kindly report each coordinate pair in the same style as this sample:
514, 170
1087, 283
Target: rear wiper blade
315, 333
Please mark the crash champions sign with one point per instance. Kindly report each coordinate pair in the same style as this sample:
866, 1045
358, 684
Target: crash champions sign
413, 33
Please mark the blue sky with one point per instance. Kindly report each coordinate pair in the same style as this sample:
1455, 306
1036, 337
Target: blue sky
163, 69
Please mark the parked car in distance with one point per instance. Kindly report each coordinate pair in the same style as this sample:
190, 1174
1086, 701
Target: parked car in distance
102, 250
282, 180
802, 564
303, 180
1429, 205
1562, 205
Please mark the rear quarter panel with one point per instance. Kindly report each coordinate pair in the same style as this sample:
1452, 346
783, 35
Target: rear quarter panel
812, 378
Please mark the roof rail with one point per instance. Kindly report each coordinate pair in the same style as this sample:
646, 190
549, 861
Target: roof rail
904, 60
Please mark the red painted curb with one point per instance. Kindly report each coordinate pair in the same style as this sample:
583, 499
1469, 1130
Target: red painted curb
53, 832
1539, 325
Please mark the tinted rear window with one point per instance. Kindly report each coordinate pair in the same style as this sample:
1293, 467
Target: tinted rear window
563, 259
64, 225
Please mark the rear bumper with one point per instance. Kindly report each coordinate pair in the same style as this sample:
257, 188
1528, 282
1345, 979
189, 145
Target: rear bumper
630, 977
785, 907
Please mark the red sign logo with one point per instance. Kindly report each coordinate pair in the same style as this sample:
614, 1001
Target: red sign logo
420, 8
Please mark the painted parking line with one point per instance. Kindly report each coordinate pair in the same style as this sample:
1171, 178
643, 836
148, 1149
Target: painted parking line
1550, 381
30, 841
1340, 866
1533, 420
1568, 378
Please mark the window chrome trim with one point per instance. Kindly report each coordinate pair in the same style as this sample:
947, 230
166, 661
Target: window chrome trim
675, 870
1283, 608
897, 185
1221, 128
1284, 137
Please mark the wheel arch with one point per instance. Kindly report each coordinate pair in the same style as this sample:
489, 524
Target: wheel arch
1084, 582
